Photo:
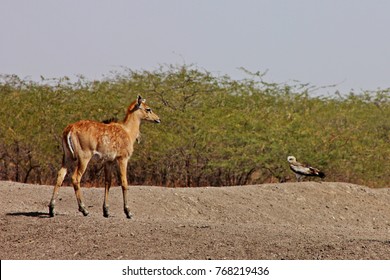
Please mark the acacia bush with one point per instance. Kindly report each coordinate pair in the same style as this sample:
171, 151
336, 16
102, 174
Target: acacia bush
215, 131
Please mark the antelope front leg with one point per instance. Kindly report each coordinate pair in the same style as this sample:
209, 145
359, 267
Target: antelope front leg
125, 206
107, 185
123, 172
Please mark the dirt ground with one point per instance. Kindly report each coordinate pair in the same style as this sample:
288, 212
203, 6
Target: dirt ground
307, 220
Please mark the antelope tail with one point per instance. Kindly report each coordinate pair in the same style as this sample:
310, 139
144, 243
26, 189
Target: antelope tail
69, 142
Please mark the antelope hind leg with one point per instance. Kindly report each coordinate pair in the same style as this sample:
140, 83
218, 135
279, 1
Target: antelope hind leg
76, 178
60, 179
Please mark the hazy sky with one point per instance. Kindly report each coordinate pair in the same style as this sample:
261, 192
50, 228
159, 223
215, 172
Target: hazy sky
322, 42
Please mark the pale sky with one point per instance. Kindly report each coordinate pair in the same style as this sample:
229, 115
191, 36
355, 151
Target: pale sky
322, 42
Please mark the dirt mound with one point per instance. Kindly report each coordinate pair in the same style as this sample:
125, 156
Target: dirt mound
275, 221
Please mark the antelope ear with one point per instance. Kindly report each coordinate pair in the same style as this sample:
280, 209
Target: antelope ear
139, 100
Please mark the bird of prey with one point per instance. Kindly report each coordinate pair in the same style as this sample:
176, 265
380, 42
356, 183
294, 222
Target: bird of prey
301, 170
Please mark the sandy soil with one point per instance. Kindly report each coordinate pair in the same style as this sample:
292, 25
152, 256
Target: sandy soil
306, 220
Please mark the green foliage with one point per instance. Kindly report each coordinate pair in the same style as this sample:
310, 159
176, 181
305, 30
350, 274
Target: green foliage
214, 130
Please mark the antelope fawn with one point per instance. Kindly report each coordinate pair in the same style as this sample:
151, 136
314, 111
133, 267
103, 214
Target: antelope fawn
113, 141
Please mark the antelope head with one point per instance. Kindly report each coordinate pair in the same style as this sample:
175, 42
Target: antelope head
143, 111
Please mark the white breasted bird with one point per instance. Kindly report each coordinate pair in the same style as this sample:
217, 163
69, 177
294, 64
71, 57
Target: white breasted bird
301, 170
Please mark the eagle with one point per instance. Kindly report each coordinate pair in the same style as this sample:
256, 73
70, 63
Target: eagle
301, 170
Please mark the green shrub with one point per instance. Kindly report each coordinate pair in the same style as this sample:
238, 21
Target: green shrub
214, 131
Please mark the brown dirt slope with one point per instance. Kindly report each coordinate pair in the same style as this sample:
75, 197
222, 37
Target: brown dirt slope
306, 220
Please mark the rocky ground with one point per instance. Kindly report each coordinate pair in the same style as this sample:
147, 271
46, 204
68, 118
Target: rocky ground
307, 220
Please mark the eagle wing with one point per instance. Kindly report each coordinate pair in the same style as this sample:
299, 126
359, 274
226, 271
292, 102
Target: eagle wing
304, 169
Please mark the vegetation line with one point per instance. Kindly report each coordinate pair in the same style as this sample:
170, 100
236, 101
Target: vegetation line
215, 131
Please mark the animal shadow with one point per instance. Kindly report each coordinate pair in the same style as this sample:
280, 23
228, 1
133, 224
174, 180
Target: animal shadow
30, 214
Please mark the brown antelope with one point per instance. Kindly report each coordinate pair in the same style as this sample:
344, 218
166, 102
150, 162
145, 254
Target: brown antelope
113, 141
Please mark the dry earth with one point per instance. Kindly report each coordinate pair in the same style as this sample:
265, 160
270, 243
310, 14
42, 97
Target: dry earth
306, 220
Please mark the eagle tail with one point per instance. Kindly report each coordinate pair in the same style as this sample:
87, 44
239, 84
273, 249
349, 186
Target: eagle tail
321, 174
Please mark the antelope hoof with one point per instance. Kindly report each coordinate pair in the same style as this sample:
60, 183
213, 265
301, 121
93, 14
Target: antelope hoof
51, 211
128, 214
84, 211
105, 212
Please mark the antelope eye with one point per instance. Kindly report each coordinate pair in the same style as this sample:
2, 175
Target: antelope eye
148, 110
